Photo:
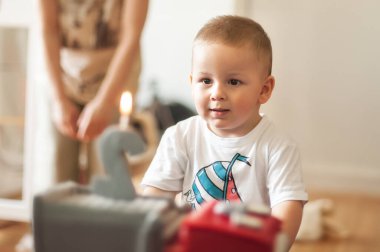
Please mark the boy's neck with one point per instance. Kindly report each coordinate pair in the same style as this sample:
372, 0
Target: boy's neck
236, 133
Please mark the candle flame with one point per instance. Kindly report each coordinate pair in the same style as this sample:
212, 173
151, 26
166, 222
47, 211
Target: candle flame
126, 103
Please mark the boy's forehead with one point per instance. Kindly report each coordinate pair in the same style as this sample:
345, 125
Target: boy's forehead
205, 45
237, 59
261, 57
216, 53
200, 47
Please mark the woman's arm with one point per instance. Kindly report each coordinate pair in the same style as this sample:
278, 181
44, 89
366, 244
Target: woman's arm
93, 121
290, 213
65, 112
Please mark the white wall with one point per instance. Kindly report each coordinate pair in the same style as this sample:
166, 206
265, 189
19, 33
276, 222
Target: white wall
16, 12
167, 39
326, 62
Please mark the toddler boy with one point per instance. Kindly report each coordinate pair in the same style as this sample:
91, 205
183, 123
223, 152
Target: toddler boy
230, 151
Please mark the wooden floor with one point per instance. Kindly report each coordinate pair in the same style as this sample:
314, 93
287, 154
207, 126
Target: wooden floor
10, 234
359, 214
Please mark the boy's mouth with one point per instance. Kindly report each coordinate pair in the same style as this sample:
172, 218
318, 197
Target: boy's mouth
218, 110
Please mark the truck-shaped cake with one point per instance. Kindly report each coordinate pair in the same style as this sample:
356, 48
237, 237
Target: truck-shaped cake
108, 215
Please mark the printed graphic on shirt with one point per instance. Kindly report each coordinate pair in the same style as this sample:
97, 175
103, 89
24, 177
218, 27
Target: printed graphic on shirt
216, 181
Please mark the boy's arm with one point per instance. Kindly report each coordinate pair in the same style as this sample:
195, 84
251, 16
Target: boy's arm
290, 213
154, 191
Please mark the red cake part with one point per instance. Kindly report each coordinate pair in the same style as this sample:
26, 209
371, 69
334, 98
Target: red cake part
205, 231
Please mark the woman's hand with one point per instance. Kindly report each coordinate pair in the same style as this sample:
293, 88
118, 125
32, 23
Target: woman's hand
95, 117
65, 117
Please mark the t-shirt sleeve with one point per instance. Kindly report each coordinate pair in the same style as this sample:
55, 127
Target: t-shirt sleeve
284, 179
166, 171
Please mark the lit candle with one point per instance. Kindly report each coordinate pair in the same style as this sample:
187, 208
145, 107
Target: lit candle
115, 142
125, 110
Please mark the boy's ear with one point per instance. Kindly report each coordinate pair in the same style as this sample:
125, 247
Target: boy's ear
267, 89
191, 79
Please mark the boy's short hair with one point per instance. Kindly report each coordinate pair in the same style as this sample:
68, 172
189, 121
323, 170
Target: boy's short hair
238, 31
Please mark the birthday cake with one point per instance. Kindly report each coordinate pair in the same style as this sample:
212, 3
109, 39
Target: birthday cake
108, 215
71, 218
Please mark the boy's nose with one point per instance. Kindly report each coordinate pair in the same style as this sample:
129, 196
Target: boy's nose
217, 92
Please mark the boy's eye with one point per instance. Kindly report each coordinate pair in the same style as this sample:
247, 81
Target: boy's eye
206, 81
234, 82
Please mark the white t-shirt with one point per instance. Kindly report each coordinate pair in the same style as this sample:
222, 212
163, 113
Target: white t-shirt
261, 167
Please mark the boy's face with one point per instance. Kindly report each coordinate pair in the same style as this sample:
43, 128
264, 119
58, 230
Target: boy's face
229, 85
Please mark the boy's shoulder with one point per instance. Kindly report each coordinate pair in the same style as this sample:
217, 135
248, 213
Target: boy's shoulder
273, 134
186, 126
188, 123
